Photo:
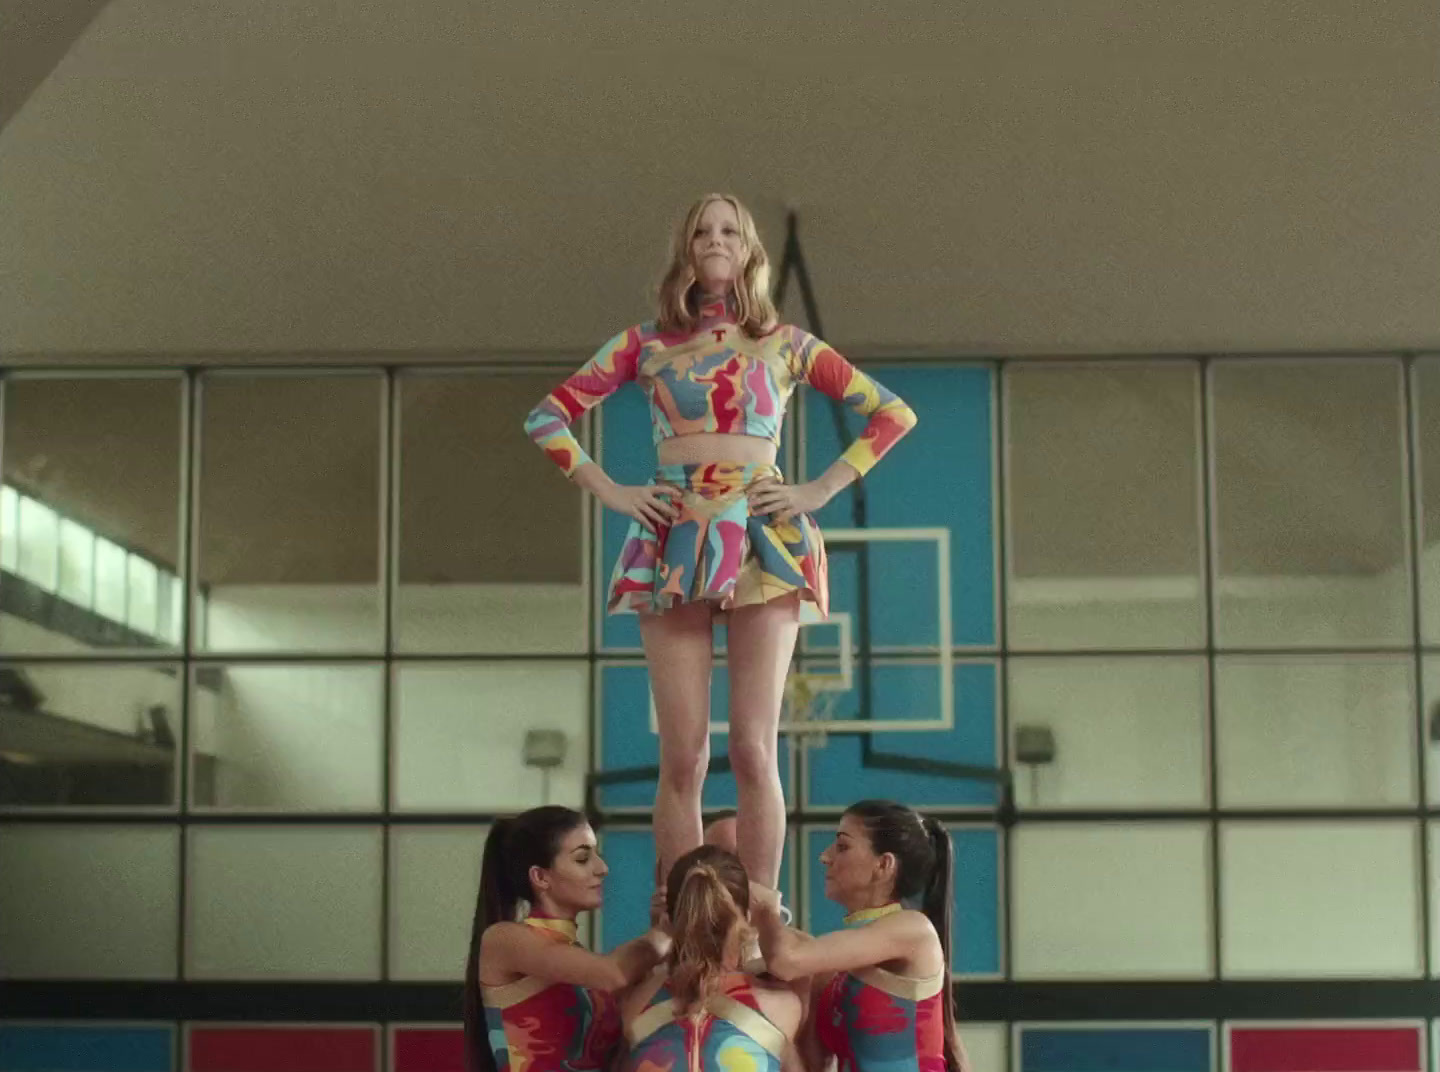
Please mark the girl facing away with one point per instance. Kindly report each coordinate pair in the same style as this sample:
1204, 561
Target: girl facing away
702, 1012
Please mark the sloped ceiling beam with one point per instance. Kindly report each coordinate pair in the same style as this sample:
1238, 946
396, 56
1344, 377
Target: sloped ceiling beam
34, 37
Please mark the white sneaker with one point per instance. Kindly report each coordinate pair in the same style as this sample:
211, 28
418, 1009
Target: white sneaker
752, 961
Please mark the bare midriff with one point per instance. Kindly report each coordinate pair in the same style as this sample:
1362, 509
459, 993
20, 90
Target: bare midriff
699, 448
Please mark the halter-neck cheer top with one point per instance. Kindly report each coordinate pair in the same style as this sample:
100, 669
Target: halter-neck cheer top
539, 1026
729, 1033
873, 1020
716, 379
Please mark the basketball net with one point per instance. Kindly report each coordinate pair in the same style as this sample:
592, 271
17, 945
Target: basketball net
807, 707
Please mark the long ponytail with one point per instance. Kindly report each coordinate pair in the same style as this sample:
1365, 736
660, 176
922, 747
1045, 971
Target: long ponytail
513, 847
494, 902
938, 904
707, 896
924, 870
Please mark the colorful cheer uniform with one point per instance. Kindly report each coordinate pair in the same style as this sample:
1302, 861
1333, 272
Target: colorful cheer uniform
540, 1026
715, 379
873, 1020
730, 1034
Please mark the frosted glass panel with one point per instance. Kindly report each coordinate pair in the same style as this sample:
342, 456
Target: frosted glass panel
1426, 400
460, 735
167, 627
77, 564
1435, 903
1104, 505
1316, 732
39, 544
1309, 506
500, 567
112, 580
1431, 686
295, 737
86, 902
1128, 732
9, 528
987, 1045
287, 530
1111, 900
1320, 899
434, 879
142, 611
87, 735
89, 458
316, 889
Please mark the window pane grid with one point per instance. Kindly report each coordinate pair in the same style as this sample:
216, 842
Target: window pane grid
150, 596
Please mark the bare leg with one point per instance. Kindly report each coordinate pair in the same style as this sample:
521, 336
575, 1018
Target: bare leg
678, 650
761, 640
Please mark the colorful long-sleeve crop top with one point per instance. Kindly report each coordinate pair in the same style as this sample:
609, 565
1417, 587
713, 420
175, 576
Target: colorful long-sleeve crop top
717, 379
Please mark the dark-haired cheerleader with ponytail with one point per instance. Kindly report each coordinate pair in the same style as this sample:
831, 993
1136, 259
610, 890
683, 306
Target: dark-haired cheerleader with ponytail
887, 1005
535, 1000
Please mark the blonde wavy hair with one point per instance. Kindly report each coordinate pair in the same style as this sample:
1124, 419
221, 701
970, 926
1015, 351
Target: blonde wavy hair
707, 896
679, 310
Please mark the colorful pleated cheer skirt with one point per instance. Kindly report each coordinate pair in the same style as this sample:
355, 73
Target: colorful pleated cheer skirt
716, 551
